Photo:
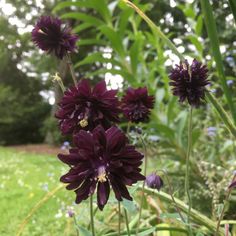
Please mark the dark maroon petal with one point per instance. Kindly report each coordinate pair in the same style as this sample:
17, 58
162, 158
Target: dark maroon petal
70, 159
136, 104
100, 135
100, 88
85, 190
233, 185
84, 140
103, 191
116, 139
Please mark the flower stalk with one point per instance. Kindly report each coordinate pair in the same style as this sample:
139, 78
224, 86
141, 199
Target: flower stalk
70, 64
143, 185
187, 190
91, 215
224, 206
119, 218
127, 222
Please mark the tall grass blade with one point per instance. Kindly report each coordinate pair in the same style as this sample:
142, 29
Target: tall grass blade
215, 46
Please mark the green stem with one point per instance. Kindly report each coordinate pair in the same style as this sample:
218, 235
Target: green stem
145, 173
155, 29
223, 210
222, 113
127, 222
70, 64
187, 190
91, 215
119, 218
172, 196
76, 226
194, 214
158, 32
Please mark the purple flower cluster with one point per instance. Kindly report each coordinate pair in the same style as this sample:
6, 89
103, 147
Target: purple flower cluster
51, 36
189, 82
102, 157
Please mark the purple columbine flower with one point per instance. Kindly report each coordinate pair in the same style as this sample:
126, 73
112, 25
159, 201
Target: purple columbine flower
102, 159
84, 108
154, 181
136, 104
51, 36
189, 82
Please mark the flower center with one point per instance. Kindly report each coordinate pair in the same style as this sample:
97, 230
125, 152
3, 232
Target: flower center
83, 123
102, 174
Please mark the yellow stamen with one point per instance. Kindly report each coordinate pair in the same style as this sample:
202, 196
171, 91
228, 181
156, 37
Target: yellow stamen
83, 123
102, 174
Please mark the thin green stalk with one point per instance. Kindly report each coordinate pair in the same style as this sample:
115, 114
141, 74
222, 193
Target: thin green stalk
194, 214
70, 64
58, 79
223, 210
119, 218
91, 215
187, 190
76, 226
36, 207
222, 113
142, 197
172, 196
158, 32
127, 222
156, 29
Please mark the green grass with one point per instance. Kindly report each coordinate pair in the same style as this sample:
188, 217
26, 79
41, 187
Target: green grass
24, 180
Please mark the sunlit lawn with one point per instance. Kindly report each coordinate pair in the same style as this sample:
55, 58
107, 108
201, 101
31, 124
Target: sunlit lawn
24, 180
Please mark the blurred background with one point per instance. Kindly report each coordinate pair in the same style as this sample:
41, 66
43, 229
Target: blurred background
115, 45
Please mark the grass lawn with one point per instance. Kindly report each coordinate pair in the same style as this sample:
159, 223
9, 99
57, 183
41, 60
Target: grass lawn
24, 180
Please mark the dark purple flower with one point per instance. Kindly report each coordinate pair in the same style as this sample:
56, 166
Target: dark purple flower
136, 104
84, 108
51, 36
102, 159
189, 82
154, 181
232, 185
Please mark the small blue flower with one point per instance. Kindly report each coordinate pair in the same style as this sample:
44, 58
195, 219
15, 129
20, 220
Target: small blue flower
230, 82
211, 131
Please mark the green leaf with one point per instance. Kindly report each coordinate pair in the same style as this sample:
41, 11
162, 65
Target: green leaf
129, 205
91, 42
100, 6
84, 232
199, 24
134, 53
232, 4
147, 232
194, 40
81, 27
114, 39
214, 42
83, 17
96, 57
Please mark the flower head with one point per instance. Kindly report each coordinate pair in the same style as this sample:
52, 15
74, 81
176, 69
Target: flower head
189, 82
136, 104
51, 36
154, 181
84, 108
102, 159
